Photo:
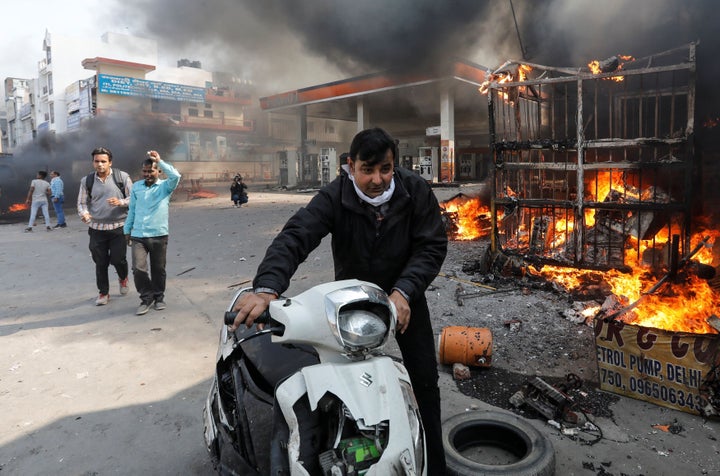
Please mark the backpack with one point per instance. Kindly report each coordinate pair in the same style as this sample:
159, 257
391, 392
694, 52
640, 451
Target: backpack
117, 178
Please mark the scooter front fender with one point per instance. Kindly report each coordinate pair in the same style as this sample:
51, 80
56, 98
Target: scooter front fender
372, 392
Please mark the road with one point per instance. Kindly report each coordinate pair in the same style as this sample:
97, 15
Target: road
88, 390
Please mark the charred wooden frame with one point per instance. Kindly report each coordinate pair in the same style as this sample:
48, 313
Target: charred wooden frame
554, 137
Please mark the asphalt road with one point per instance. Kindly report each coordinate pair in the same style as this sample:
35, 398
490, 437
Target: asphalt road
88, 390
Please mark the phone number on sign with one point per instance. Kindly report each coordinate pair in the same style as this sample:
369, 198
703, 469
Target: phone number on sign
652, 390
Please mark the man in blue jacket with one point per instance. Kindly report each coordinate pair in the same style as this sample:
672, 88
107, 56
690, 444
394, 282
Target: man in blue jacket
386, 228
146, 230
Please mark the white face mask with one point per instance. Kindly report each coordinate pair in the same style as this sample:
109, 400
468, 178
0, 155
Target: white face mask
380, 199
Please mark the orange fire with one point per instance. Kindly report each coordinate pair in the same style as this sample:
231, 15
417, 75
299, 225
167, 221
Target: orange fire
472, 217
677, 307
595, 67
505, 77
17, 207
711, 122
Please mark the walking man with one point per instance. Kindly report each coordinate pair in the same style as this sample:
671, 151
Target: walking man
57, 195
146, 230
37, 197
102, 204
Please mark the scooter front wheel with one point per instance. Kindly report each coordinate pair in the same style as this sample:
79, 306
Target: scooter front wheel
495, 444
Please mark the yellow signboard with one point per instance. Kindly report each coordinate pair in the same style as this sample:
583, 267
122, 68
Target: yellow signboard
665, 368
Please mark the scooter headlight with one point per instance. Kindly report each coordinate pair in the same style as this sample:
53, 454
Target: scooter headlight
361, 316
361, 329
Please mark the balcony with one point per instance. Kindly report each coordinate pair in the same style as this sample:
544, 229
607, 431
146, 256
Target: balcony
223, 96
225, 124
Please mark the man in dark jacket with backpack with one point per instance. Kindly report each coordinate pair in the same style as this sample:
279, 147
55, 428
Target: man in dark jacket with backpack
102, 203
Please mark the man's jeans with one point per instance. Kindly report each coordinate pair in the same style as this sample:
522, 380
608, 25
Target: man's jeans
108, 247
151, 286
34, 209
58, 204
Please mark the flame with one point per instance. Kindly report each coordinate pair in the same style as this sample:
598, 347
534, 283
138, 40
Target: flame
17, 207
682, 307
711, 122
679, 306
505, 77
471, 217
595, 67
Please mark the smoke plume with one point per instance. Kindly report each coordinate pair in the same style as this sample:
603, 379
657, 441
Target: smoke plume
128, 139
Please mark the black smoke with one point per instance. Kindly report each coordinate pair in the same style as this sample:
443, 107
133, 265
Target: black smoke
288, 44
284, 44
128, 138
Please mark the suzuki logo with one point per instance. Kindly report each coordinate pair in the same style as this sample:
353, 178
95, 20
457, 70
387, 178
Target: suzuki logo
366, 379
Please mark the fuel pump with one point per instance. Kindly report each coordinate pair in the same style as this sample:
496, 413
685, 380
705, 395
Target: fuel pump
328, 165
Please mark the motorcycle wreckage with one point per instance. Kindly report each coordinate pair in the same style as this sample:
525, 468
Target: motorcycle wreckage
312, 393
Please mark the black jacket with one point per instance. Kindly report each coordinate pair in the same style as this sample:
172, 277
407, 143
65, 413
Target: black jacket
404, 250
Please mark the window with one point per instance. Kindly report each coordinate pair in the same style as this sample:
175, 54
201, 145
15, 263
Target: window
208, 114
193, 113
208, 105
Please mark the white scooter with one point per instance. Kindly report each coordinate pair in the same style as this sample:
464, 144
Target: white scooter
318, 396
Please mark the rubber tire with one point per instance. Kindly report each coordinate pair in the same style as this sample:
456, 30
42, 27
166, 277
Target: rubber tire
504, 430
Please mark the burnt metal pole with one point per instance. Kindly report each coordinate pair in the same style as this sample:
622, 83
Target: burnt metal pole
580, 147
493, 183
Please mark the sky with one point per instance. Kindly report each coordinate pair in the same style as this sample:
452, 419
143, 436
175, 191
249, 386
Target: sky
23, 35
287, 44
289, 37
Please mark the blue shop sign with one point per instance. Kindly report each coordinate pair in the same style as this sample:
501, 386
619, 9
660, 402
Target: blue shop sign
125, 86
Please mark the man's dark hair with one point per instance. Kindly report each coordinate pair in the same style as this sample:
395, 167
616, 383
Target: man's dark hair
101, 151
55, 172
149, 162
42, 174
371, 145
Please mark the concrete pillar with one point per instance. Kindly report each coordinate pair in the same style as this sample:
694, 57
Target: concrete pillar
447, 134
363, 115
294, 161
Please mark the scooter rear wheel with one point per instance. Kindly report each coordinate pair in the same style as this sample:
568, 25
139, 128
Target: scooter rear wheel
472, 433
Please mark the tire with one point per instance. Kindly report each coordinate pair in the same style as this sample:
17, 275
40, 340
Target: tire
533, 450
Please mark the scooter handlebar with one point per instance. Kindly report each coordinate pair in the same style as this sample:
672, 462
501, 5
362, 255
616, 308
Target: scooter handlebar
263, 318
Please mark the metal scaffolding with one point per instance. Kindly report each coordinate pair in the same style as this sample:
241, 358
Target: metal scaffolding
588, 164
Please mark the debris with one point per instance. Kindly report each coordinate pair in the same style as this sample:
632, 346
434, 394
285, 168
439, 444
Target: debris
186, 271
240, 283
714, 322
467, 282
461, 372
513, 324
203, 194
551, 402
673, 427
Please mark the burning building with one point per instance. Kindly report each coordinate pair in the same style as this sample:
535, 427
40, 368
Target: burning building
597, 179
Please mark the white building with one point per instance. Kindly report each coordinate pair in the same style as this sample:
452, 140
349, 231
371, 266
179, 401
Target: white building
19, 93
62, 67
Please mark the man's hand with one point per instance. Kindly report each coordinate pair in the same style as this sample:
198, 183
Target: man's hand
128, 239
403, 311
154, 156
86, 218
114, 201
249, 307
